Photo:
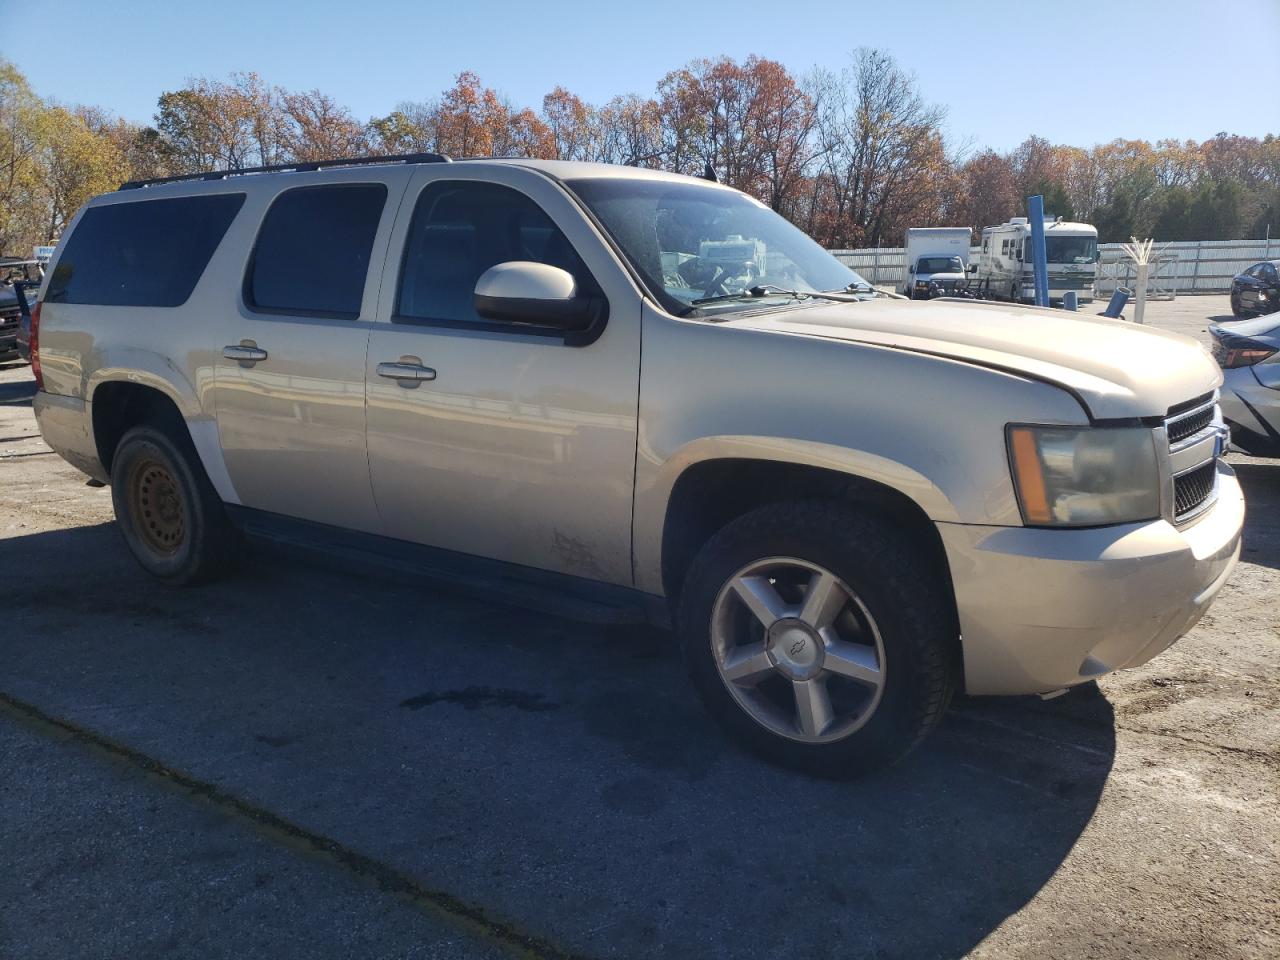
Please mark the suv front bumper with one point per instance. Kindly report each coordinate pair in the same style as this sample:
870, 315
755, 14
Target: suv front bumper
1041, 609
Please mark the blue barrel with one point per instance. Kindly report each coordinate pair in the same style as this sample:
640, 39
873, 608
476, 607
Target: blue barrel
1069, 301
1118, 300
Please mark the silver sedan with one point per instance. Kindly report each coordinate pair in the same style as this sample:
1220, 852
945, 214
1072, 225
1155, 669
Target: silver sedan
1249, 354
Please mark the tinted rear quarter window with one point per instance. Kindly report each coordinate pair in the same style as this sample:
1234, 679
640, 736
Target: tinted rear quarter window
148, 253
313, 249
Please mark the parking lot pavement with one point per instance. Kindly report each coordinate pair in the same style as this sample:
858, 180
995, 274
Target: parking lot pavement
88, 839
392, 754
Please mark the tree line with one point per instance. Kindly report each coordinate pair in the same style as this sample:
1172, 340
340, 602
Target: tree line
853, 156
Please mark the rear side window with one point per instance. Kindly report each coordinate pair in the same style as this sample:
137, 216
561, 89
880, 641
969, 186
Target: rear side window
312, 253
149, 253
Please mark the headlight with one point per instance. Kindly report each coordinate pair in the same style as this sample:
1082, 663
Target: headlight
1084, 476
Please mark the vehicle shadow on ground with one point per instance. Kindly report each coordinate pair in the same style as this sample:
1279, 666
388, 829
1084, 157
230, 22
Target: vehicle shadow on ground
17, 393
559, 776
1261, 484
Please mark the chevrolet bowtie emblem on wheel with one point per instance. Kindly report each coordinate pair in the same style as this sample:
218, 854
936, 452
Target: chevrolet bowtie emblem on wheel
797, 646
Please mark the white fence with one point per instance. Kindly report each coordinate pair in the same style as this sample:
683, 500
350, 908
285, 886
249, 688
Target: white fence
1186, 266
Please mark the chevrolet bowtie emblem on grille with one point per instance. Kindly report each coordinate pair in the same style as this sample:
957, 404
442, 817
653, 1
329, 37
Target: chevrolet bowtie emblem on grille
1221, 439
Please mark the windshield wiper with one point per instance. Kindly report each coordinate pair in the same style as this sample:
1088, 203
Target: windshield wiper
769, 290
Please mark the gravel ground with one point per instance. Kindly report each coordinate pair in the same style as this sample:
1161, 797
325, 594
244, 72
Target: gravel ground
305, 762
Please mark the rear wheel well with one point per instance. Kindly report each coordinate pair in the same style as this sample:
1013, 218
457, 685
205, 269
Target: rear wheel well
117, 407
709, 495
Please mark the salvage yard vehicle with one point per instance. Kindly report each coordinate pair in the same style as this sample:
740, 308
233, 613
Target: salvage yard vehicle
1249, 354
1256, 291
637, 395
937, 261
19, 279
1005, 270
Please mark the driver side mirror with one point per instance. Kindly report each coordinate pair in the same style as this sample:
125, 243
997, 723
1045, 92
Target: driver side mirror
537, 294
972, 268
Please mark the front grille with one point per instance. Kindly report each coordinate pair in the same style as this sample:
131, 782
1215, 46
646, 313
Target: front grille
1192, 428
1193, 488
1190, 423
1191, 404
1070, 283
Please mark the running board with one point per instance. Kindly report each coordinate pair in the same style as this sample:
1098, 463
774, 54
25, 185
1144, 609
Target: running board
558, 594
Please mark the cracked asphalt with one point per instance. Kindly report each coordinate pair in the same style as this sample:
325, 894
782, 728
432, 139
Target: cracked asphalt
305, 761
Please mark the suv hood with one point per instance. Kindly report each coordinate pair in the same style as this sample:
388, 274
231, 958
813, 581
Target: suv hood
1118, 369
945, 275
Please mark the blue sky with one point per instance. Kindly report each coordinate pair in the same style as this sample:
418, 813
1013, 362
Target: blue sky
1109, 68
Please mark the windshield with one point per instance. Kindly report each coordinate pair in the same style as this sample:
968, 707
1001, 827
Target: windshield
1070, 249
940, 265
692, 241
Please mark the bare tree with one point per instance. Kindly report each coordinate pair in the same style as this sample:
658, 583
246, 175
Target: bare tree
311, 126
630, 132
877, 134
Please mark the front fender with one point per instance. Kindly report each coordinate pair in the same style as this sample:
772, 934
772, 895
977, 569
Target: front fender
930, 428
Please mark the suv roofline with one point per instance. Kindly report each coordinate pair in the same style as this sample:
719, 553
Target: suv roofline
561, 170
305, 166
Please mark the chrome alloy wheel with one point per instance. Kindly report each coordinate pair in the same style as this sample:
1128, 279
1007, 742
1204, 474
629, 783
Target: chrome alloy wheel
798, 650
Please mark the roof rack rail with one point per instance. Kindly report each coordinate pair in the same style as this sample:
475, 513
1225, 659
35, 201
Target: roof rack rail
302, 166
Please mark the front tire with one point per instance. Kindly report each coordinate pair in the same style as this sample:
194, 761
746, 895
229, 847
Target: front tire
819, 637
1237, 310
167, 510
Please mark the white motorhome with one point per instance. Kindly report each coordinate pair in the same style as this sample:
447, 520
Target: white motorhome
1005, 271
935, 255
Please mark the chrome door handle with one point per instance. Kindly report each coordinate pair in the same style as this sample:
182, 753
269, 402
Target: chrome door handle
407, 371
246, 353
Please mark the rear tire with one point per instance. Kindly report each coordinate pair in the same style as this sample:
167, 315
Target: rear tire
167, 510
835, 693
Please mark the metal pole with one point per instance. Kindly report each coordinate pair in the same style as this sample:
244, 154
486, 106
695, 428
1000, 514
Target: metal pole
1035, 213
1140, 289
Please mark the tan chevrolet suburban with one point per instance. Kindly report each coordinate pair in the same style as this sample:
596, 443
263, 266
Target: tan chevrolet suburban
641, 396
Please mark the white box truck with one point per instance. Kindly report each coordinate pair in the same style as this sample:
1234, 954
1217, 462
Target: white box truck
935, 255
